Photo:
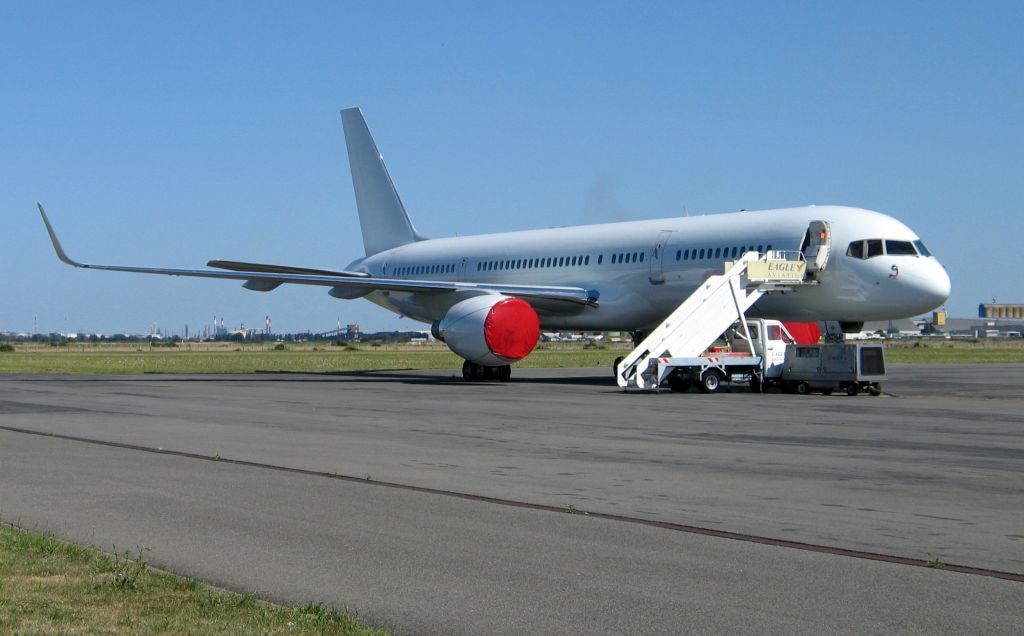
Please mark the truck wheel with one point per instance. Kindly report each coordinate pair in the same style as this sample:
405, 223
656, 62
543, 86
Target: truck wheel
802, 388
710, 381
875, 389
852, 389
679, 383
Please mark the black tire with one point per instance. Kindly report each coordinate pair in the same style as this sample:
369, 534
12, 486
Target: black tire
756, 386
789, 386
802, 388
468, 371
679, 383
503, 373
615, 366
852, 389
710, 381
875, 389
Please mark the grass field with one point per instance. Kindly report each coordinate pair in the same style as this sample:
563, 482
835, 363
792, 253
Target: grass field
51, 587
324, 357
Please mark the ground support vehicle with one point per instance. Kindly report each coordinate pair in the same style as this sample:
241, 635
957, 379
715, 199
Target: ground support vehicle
834, 367
754, 354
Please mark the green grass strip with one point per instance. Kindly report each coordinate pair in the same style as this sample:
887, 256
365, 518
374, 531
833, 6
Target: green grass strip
226, 358
52, 587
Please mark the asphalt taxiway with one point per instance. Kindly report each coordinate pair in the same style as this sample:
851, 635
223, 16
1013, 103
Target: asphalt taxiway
235, 480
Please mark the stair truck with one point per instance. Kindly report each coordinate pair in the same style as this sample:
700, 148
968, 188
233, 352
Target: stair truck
769, 357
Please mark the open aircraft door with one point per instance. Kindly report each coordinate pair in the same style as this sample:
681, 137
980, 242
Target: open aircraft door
817, 245
658, 257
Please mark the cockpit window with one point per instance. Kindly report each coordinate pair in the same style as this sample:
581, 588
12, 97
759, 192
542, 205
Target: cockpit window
870, 248
900, 248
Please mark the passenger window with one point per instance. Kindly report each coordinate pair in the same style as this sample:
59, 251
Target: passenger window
600, 257
900, 248
702, 253
679, 254
718, 252
586, 259
874, 247
856, 249
734, 251
641, 257
760, 248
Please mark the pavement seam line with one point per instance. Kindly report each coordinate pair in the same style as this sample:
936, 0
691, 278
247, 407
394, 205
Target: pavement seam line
665, 525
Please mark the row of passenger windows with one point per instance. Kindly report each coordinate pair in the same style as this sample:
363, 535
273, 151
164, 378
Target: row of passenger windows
421, 270
870, 248
535, 263
717, 252
618, 258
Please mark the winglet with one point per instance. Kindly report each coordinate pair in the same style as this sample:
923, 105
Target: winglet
61, 254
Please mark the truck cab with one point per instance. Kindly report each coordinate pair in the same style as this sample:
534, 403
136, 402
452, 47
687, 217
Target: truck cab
768, 339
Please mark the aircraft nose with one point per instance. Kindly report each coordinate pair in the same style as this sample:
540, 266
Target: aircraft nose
933, 286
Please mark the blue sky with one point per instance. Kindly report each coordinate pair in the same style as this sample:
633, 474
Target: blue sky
169, 134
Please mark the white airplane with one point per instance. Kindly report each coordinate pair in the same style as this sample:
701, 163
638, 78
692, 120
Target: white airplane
489, 296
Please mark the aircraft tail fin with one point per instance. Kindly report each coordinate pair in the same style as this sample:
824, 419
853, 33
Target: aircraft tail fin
382, 216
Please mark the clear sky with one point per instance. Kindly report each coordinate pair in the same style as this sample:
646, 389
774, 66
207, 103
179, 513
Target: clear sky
167, 134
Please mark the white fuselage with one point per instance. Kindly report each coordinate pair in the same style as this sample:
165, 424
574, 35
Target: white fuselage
645, 269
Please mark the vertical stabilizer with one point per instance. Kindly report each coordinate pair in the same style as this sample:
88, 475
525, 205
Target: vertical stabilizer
381, 213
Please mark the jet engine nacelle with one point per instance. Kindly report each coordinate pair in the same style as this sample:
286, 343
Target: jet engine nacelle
491, 330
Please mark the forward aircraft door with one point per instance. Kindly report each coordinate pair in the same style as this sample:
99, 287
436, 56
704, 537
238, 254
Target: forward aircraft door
817, 245
658, 257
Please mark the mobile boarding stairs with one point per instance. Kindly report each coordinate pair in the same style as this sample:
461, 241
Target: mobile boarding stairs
717, 304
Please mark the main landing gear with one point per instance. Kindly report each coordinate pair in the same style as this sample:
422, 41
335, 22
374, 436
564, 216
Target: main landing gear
473, 372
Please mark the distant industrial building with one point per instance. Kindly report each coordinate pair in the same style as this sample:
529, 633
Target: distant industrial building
1001, 310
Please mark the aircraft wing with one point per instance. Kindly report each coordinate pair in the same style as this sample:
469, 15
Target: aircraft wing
239, 266
261, 277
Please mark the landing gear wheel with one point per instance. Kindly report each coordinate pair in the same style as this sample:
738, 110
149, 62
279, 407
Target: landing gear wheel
710, 381
503, 373
615, 366
852, 389
468, 371
803, 388
679, 383
875, 389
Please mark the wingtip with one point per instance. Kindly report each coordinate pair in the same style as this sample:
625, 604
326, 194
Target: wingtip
57, 247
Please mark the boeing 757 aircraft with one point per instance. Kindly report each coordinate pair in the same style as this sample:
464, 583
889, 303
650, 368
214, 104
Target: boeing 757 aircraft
488, 296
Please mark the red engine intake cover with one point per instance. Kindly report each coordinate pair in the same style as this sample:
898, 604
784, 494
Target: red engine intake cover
512, 328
